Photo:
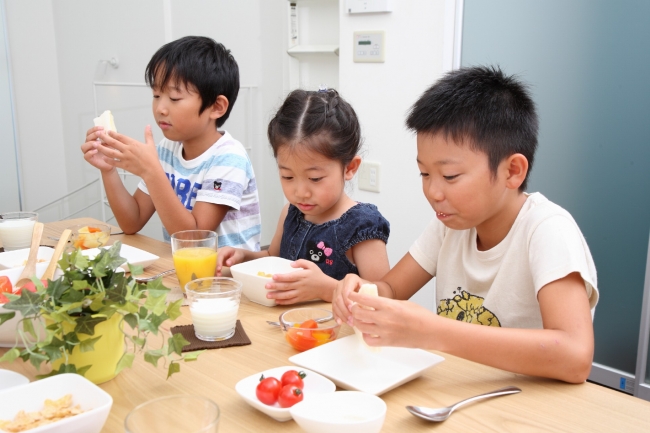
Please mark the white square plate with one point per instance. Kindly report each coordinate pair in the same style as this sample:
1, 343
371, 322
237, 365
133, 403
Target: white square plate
133, 256
18, 258
351, 365
314, 384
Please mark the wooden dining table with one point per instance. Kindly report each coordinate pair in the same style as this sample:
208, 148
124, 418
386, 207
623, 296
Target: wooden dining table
543, 405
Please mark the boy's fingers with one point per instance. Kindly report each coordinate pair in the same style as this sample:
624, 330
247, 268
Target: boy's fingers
148, 135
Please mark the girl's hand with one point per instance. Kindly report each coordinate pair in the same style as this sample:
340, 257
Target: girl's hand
391, 322
305, 284
341, 304
228, 256
129, 154
89, 149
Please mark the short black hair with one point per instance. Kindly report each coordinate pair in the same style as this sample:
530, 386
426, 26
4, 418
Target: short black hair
200, 63
480, 105
320, 120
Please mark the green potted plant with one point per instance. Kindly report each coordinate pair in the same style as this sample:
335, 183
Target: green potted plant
94, 319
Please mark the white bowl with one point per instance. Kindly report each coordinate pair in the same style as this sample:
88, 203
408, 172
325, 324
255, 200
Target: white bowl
17, 258
340, 412
315, 385
253, 284
10, 379
8, 329
133, 256
94, 401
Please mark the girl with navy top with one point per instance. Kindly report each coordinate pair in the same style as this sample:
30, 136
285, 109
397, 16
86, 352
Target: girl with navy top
315, 138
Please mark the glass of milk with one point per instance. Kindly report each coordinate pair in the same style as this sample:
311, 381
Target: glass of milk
16, 229
214, 302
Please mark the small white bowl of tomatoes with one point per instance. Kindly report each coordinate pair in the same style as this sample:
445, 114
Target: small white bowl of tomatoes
273, 392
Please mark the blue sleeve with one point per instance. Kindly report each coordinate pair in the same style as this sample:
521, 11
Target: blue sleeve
364, 223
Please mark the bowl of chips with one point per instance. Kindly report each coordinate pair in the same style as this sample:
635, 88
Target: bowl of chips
256, 273
65, 403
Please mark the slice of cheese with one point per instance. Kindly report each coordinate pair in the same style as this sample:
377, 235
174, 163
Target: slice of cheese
371, 290
106, 120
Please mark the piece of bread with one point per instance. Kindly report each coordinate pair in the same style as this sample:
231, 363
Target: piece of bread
106, 120
371, 290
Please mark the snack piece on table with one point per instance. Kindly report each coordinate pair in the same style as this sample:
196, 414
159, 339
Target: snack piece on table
371, 290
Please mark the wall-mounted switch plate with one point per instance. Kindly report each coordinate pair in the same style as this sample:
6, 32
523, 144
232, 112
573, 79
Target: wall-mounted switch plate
369, 176
369, 46
367, 6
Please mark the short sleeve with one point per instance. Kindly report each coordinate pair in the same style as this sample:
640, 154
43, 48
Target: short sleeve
556, 249
364, 224
426, 248
226, 180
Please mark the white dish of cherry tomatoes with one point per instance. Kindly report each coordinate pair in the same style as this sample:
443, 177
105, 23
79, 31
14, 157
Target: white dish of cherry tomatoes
313, 384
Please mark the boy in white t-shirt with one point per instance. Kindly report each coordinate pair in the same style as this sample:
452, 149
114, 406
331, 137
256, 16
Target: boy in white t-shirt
510, 261
198, 177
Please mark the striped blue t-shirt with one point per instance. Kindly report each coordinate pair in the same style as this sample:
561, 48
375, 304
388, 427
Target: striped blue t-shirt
224, 175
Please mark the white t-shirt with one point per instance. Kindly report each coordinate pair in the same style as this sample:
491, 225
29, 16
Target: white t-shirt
224, 175
499, 287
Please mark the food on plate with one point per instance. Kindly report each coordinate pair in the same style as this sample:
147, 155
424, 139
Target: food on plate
54, 410
264, 274
308, 335
371, 290
293, 377
88, 237
286, 392
268, 389
290, 395
106, 120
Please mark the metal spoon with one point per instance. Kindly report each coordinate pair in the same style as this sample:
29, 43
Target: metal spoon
147, 279
319, 320
441, 414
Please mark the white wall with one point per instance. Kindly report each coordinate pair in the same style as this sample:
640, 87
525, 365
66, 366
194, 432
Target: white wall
381, 94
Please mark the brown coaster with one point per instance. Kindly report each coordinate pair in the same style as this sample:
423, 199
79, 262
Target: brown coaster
239, 339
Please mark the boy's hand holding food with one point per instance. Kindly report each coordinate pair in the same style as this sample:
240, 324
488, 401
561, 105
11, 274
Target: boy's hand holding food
140, 159
341, 303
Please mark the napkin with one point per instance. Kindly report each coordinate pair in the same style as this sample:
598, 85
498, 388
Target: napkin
239, 339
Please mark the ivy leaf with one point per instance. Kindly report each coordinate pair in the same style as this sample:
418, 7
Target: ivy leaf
88, 344
135, 269
156, 321
156, 304
192, 356
27, 304
28, 327
86, 324
174, 367
37, 359
70, 340
125, 361
82, 371
176, 344
174, 309
10, 355
131, 319
6, 316
53, 350
152, 356
156, 288
55, 289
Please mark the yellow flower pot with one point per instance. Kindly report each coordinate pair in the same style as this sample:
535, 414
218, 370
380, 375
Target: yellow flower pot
108, 351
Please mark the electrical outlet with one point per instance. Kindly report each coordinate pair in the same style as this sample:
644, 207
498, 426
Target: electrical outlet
369, 172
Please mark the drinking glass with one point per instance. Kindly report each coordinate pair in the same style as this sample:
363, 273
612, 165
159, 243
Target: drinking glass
214, 303
174, 413
16, 229
195, 255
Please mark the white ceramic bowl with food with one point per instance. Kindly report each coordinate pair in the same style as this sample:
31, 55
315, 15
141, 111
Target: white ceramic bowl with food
256, 273
340, 412
315, 385
18, 258
94, 402
8, 329
10, 379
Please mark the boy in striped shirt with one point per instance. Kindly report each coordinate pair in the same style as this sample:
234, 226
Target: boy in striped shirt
197, 167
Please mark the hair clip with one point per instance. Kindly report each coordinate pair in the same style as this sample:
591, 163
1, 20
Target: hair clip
322, 88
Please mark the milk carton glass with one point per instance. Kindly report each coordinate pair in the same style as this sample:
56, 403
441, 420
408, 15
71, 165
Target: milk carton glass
214, 303
16, 229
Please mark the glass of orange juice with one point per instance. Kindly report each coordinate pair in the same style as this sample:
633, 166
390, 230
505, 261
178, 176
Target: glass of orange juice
195, 255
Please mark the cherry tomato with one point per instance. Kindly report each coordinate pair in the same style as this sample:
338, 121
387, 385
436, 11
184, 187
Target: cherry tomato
268, 389
5, 287
300, 339
289, 395
293, 377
